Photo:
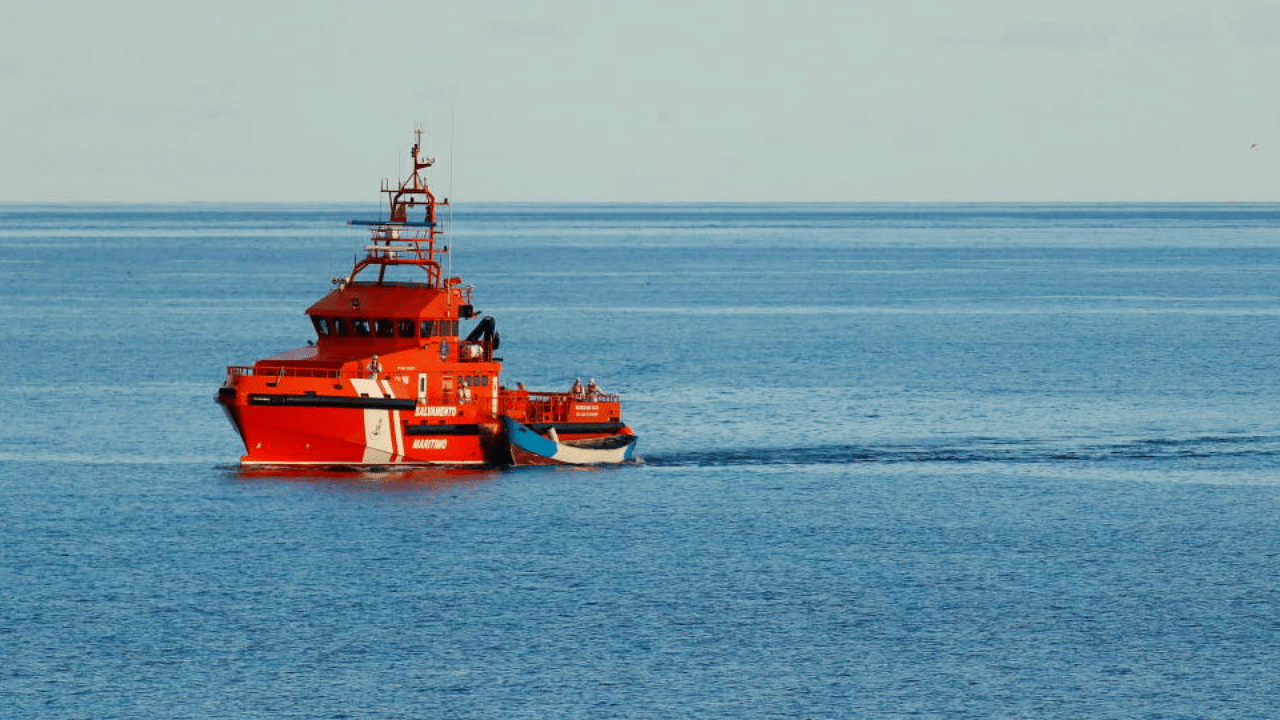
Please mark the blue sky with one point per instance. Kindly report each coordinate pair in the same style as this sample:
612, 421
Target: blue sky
665, 100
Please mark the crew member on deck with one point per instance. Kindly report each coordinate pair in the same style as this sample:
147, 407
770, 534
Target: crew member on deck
593, 389
577, 388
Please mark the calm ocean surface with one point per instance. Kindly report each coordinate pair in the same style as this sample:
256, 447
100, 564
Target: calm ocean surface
901, 461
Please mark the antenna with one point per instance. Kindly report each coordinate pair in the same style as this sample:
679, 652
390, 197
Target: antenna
453, 160
453, 155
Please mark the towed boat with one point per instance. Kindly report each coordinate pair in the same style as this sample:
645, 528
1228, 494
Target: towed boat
391, 379
531, 447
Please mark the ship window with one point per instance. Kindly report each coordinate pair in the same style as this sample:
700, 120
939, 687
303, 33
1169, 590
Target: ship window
405, 327
453, 328
339, 326
384, 328
322, 325
361, 326
428, 328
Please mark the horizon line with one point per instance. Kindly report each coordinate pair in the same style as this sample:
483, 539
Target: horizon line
640, 203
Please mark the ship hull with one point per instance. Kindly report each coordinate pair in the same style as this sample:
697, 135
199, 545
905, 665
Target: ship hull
354, 431
366, 423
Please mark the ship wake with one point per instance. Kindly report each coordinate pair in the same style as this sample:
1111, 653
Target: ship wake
1215, 449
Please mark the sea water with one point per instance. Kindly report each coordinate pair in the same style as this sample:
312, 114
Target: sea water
899, 461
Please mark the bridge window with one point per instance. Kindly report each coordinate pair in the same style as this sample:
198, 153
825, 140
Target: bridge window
405, 327
322, 325
339, 326
361, 326
439, 328
384, 328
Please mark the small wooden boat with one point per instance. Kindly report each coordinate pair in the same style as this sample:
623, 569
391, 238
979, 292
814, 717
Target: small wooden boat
529, 447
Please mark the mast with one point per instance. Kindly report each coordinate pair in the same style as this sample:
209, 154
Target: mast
400, 240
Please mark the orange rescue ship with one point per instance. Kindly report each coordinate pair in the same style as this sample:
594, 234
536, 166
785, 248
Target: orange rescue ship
391, 381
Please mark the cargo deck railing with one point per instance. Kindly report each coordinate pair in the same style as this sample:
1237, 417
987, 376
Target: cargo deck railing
556, 407
565, 397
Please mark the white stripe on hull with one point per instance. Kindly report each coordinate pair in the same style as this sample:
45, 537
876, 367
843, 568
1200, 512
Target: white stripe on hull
378, 433
396, 429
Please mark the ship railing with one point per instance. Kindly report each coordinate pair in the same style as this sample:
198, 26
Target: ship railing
279, 371
411, 252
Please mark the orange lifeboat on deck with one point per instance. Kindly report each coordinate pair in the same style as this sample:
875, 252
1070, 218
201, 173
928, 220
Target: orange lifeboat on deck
391, 381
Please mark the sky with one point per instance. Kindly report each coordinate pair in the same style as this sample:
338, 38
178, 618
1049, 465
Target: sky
656, 101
